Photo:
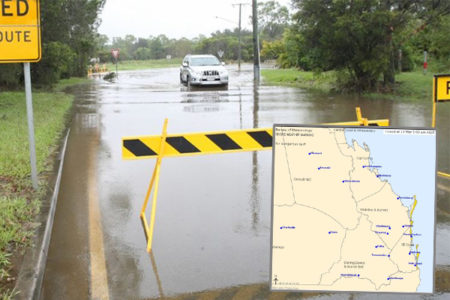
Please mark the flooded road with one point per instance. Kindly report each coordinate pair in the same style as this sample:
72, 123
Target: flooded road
212, 232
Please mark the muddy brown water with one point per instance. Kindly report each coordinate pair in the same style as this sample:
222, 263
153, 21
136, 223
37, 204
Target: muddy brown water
212, 233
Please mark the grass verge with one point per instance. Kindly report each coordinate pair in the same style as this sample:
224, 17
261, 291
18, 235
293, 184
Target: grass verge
19, 203
64, 83
410, 86
145, 64
323, 82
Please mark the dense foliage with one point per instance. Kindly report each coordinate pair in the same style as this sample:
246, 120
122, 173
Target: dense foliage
362, 38
69, 34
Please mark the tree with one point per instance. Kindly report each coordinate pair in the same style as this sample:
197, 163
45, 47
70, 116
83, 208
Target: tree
80, 20
434, 38
356, 35
158, 47
143, 53
271, 50
68, 37
227, 41
273, 18
181, 47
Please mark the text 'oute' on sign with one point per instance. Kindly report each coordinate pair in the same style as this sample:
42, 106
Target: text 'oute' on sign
20, 34
442, 88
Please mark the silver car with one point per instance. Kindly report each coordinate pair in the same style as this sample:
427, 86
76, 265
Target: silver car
203, 70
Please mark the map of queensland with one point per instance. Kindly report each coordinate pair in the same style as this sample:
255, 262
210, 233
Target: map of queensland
353, 209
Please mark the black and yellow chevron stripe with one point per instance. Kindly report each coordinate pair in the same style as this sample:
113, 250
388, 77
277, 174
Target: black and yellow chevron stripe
198, 143
209, 142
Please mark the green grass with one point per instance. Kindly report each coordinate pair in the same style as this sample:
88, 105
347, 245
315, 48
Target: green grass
16, 230
19, 203
410, 86
48, 109
322, 82
63, 83
145, 64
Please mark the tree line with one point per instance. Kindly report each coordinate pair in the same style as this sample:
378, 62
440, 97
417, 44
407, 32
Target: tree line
365, 41
158, 47
273, 19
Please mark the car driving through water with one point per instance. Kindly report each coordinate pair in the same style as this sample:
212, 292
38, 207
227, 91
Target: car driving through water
203, 70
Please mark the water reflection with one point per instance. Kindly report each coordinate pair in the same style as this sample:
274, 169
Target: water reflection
254, 199
155, 271
201, 108
240, 111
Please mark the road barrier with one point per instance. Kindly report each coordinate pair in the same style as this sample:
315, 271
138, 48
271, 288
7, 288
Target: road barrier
97, 69
212, 142
197, 144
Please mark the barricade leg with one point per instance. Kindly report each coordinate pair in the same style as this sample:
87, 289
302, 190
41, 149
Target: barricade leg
154, 183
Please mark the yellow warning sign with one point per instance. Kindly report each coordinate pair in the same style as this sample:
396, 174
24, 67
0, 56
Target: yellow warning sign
20, 32
210, 142
441, 88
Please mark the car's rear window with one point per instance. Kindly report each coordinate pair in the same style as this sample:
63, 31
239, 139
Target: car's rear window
204, 61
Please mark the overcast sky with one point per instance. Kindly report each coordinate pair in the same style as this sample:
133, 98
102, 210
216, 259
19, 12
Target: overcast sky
174, 18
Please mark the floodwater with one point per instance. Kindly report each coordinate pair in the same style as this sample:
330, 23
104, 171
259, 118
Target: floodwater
212, 232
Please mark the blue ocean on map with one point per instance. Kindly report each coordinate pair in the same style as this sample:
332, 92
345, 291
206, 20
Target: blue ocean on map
408, 163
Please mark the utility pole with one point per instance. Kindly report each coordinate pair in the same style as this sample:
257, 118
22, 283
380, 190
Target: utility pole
239, 32
256, 62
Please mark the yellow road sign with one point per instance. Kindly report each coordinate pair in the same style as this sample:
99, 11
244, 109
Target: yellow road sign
20, 32
441, 88
209, 142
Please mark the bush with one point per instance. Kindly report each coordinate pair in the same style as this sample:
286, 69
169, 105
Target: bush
272, 50
58, 61
409, 60
143, 53
11, 75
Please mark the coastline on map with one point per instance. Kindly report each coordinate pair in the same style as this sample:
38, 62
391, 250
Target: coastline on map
421, 186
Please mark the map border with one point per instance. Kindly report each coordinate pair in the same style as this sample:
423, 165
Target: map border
275, 125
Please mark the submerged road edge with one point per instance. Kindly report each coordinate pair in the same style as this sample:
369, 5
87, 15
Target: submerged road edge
31, 274
99, 288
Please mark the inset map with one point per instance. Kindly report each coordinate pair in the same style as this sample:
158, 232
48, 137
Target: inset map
353, 209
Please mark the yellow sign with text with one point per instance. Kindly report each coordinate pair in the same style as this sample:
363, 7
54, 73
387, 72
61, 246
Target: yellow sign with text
441, 88
20, 31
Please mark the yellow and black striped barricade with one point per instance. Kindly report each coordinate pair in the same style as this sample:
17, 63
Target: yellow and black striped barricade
198, 143
208, 142
187, 144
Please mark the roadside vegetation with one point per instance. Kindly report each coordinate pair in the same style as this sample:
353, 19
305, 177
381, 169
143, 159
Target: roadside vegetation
365, 42
69, 39
409, 86
19, 203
